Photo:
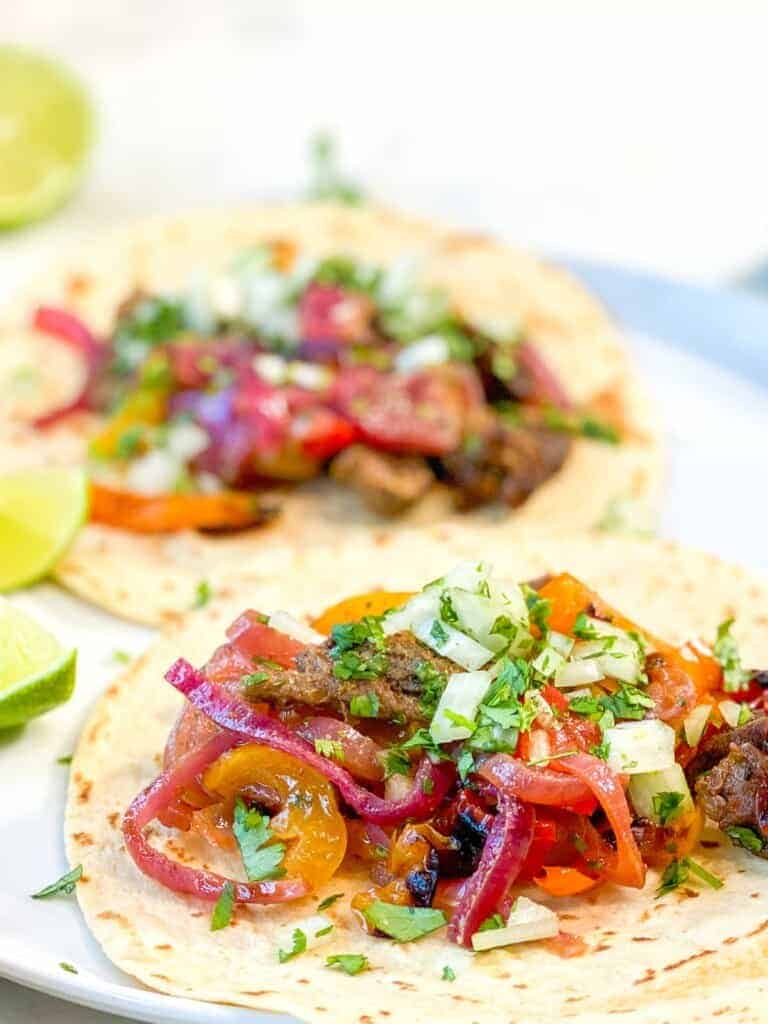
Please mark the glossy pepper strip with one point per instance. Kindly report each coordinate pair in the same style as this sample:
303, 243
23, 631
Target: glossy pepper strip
430, 785
166, 513
534, 785
624, 865
505, 850
181, 877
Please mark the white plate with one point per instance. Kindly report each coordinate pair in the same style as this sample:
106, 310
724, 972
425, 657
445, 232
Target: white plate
717, 425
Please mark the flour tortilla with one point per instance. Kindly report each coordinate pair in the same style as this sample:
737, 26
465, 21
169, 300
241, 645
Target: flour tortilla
687, 956
152, 578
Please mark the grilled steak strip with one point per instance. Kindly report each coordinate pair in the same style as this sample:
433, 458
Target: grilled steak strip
730, 775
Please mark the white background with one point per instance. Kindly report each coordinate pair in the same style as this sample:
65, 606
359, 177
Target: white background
582, 129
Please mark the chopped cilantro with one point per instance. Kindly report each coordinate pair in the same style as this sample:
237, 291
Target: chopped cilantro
121, 657
129, 442
678, 871
447, 611
329, 901
403, 924
601, 750
727, 654
628, 702
253, 680
69, 968
298, 945
668, 806
347, 635
252, 832
438, 632
448, 974
396, 763
427, 786
65, 759
63, 886
149, 322
433, 682
491, 923
330, 748
583, 628
581, 425
460, 720
364, 705
203, 594
745, 837
324, 931
539, 609
465, 764
222, 912
350, 963
350, 665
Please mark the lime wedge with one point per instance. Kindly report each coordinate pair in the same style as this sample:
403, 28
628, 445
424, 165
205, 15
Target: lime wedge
41, 510
46, 127
36, 673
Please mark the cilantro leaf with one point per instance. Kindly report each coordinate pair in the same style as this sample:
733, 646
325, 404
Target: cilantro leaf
203, 594
433, 682
329, 901
539, 609
727, 655
251, 830
678, 871
63, 886
745, 837
332, 749
222, 912
448, 974
350, 665
438, 632
584, 629
668, 806
491, 923
65, 759
447, 611
347, 635
350, 963
69, 968
403, 924
396, 763
298, 945
465, 764
581, 425
364, 705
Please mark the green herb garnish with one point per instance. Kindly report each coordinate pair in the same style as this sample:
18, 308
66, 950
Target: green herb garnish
492, 923
403, 924
329, 901
252, 832
678, 871
350, 963
433, 682
438, 632
350, 665
448, 974
63, 886
745, 837
347, 635
69, 968
726, 653
299, 944
66, 759
222, 912
332, 749
668, 806
364, 705
203, 594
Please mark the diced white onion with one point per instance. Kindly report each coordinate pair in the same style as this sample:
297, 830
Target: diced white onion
186, 440
463, 695
429, 351
512, 597
155, 472
638, 747
421, 606
285, 623
547, 662
695, 723
271, 368
560, 642
466, 576
616, 653
646, 785
544, 713
477, 615
451, 643
732, 712
527, 922
577, 673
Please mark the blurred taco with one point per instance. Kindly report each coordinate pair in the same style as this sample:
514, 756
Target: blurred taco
246, 381
525, 792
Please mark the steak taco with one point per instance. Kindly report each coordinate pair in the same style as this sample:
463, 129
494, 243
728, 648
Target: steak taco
244, 382
528, 793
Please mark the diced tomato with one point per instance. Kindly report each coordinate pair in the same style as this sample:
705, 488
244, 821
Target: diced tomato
254, 638
326, 434
555, 698
328, 313
421, 413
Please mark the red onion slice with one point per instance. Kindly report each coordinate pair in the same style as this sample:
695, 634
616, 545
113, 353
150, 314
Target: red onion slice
505, 850
66, 327
180, 877
534, 785
431, 783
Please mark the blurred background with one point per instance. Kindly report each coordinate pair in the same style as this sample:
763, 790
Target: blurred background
601, 133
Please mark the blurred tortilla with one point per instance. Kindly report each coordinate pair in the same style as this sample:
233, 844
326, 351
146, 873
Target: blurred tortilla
695, 955
152, 578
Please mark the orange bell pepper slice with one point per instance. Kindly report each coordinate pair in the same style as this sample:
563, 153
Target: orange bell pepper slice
353, 608
168, 513
558, 881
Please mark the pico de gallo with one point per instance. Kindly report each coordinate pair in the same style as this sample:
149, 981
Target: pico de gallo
464, 742
286, 368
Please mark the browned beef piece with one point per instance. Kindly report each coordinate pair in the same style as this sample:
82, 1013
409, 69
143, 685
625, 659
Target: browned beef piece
389, 484
505, 463
398, 689
730, 775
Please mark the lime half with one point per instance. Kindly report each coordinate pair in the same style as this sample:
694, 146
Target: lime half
46, 127
36, 673
41, 510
